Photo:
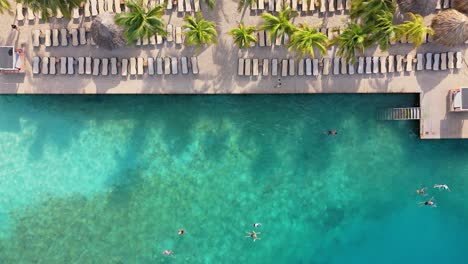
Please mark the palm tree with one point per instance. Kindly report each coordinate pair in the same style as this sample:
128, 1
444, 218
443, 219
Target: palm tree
350, 40
382, 32
305, 39
210, 3
413, 29
243, 36
243, 3
198, 31
279, 25
450, 28
366, 9
48, 8
139, 23
4, 5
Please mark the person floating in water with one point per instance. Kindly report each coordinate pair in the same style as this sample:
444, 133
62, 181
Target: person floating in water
253, 235
181, 232
442, 186
168, 253
257, 225
331, 133
429, 202
422, 191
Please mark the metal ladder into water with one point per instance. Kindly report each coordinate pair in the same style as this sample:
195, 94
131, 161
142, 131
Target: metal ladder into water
403, 113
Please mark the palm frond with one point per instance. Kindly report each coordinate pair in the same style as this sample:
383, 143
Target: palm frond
243, 36
413, 29
305, 39
199, 32
280, 24
352, 39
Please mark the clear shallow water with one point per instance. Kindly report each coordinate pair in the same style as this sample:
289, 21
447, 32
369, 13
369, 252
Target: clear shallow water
112, 179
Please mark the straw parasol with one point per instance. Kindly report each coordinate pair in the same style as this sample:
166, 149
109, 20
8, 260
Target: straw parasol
422, 7
106, 33
461, 6
450, 28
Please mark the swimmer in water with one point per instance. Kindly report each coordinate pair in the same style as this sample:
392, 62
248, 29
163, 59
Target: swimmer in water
429, 202
253, 235
181, 232
331, 133
442, 186
422, 191
168, 252
257, 225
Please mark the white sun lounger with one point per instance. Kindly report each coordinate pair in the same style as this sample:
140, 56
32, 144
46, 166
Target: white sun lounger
293, 5
368, 65
94, 11
339, 5
255, 66
451, 61
458, 63
170, 33
443, 61
75, 13
117, 6
71, 65
35, 65
96, 64
344, 66
300, 67
194, 63
253, 5
159, 66
184, 65
63, 65
292, 69
108, 6
140, 63
55, 37
326, 66
19, 12
409, 62
180, 6
248, 67
59, 13
351, 69
52, 66
391, 63
336, 65
360, 68
152, 40
145, 41
308, 67
267, 39
383, 64
331, 5
35, 38
159, 39
428, 61
285, 39
151, 66
278, 41
168, 5
399, 63
196, 4
74, 36
375, 64
284, 68
167, 65
82, 36
304, 5
265, 67
274, 67
278, 5
81, 62
188, 5
113, 62
101, 7
63, 37
446, 4
178, 37
124, 67
45, 65
47, 42
138, 42
261, 4
133, 70
436, 62
30, 13
315, 67
88, 68
271, 5
261, 38
87, 8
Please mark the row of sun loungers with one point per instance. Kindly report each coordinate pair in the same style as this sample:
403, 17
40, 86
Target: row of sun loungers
364, 65
321, 6
110, 66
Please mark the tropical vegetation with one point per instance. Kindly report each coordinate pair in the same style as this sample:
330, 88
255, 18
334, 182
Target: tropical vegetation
351, 40
243, 3
4, 6
280, 24
210, 3
139, 23
48, 8
413, 29
198, 31
243, 36
305, 39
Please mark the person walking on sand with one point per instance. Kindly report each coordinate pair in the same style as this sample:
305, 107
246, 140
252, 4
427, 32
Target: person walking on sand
253, 235
441, 186
429, 202
421, 191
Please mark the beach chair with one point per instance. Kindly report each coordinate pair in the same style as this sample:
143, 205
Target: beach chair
174, 65
446, 4
351, 69
194, 62
19, 12
196, 5
118, 10
265, 67
331, 5
261, 38
271, 5
159, 39
348, 4
308, 67
292, 69
285, 39
124, 71
88, 66
399, 63
170, 33
458, 63
287, 3
35, 38
315, 68
391, 63
74, 37
284, 68
409, 62
100, 6
52, 65
360, 68
368, 65
403, 39
278, 41
375, 64
152, 40
428, 61
178, 37
35, 65
159, 66
274, 67
140, 66
451, 62
59, 13
436, 67
255, 64
96, 64
248, 67
169, 5
326, 66
30, 13
45, 65
145, 41
82, 36
63, 37
108, 6
383, 64
113, 66
267, 39
55, 37
253, 5
336, 66
261, 5
438, 4
151, 70
278, 5
94, 10
293, 5
81, 63
344, 66
138, 42
71, 65
47, 41
133, 70
180, 6
184, 65
443, 61
339, 5
300, 67
323, 6
87, 9
63, 65
188, 6
75, 13
167, 65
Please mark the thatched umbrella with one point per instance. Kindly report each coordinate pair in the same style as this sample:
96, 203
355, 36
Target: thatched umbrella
450, 28
460, 5
106, 33
422, 7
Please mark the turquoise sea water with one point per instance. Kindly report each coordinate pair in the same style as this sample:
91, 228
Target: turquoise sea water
112, 179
